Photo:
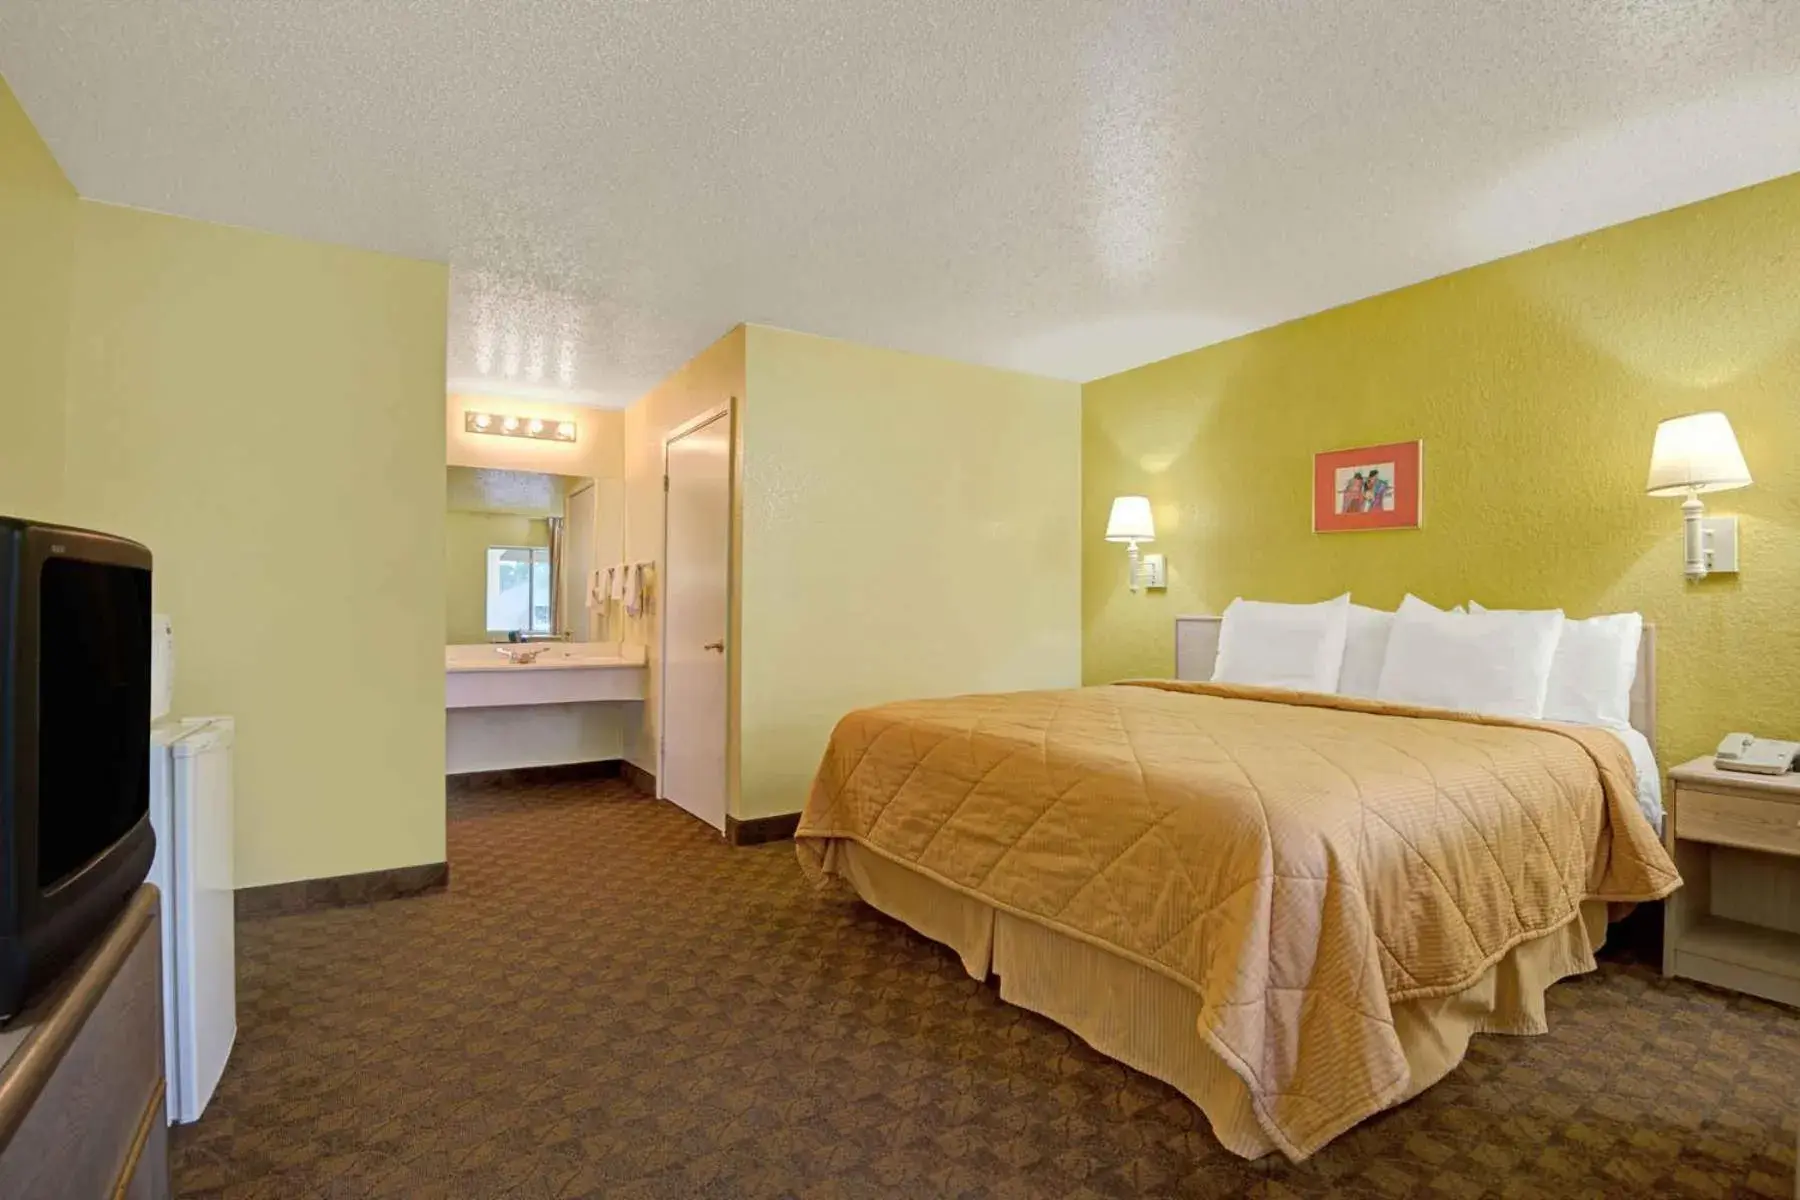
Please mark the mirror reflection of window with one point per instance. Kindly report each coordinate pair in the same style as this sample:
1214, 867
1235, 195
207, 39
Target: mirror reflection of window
518, 589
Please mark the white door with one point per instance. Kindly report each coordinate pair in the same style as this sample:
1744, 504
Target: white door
578, 563
696, 610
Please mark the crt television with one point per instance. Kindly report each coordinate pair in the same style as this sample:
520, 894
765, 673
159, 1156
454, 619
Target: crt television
75, 839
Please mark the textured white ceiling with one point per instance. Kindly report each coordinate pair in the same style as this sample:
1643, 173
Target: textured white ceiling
1061, 186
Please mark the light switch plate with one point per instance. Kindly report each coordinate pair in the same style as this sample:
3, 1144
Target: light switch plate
1152, 573
1720, 538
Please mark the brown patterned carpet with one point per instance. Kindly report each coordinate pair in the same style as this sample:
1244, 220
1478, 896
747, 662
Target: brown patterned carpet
611, 1002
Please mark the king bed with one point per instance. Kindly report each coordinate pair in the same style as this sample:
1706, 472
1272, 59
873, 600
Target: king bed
1295, 908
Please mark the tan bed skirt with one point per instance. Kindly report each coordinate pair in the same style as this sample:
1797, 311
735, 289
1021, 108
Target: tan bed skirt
1148, 1021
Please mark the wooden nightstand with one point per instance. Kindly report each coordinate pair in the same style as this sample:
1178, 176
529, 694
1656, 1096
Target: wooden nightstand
1736, 839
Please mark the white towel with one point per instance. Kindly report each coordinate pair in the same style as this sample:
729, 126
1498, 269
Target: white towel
619, 574
599, 600
634, 589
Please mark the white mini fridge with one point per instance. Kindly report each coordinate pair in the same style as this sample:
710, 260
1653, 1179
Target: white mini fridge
190, 810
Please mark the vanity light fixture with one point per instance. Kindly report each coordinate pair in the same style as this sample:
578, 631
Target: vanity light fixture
1694, 454
536, 428
1131, 522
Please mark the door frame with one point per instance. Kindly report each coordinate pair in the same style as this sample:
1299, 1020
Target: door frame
728, 410
587, 622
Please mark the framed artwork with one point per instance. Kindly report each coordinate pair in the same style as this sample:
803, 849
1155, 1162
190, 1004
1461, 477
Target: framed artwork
1370, 487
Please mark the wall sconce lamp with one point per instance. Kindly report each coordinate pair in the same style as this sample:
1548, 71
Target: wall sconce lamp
1131, 523
499, 426
1694, 454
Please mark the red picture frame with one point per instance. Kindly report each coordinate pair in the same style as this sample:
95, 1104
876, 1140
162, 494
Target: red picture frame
1368, 487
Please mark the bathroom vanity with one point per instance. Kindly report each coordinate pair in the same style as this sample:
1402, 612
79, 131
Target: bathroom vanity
540, 704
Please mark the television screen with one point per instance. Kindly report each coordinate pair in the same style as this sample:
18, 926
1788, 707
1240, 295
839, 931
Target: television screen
75, 836
93, 711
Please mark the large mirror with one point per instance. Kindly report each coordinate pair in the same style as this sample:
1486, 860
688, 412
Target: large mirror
513, 563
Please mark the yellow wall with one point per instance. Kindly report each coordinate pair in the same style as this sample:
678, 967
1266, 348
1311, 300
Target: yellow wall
904, 526
37, 224
910, 528
1537, 383
711, 378
267, 415
467, 538
595, 454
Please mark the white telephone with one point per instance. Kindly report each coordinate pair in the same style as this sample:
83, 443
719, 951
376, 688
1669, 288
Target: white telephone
1759, 756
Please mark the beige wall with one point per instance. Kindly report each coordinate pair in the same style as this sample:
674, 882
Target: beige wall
904, 526
712, 378
467, 536
267, 415
37, 232
595, 454
910, 528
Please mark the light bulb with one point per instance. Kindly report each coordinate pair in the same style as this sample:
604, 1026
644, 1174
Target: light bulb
482, 420
566, 430
511, 424
537, 427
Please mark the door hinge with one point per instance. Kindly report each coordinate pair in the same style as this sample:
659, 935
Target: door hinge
665, 483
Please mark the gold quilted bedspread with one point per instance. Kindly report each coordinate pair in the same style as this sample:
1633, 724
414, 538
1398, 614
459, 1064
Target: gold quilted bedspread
1302, 862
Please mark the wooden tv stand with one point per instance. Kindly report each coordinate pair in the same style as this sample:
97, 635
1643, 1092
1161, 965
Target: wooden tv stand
82, 1109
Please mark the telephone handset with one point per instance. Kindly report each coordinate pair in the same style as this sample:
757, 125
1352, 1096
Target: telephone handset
1759, 756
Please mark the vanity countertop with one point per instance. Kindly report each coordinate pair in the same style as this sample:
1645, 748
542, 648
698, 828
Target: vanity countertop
548, 664
555, 657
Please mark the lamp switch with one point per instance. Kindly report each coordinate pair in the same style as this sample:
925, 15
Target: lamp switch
1152, 573
1719, 538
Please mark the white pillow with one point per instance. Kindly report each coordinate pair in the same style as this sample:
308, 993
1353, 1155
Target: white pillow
1365, 649
1365, 646
1594, 668
1492, 662
1298, 646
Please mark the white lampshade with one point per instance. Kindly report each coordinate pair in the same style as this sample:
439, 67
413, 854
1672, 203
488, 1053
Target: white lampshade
1698, 453
1131, 520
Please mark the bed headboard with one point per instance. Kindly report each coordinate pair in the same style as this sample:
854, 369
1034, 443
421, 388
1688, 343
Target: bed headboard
1197, 647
